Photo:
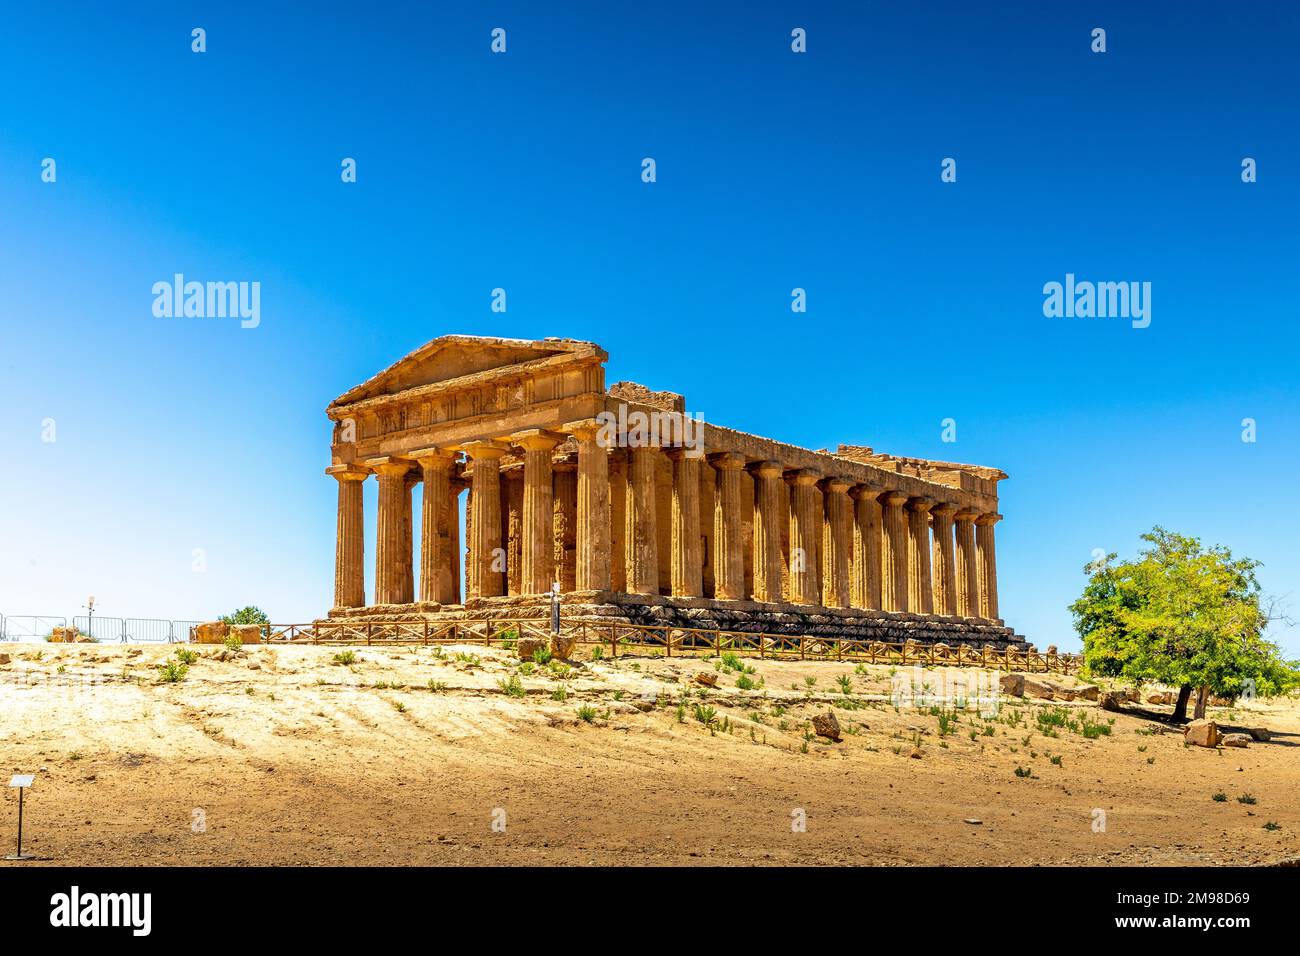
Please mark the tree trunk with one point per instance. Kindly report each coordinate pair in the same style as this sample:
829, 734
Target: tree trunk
1180, 708
1202, 698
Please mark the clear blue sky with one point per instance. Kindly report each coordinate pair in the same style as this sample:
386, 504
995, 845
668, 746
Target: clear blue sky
522, 171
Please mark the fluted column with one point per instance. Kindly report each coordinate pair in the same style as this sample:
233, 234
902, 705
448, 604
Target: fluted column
865, 574
389, 552
767, 532
642, 534
539, 511
618, 505
350, 547
728, 528
968, 599
944, 567
407, 566
805, 535
687, 563
594, 527
893, 557
435, 567
565, 524
987, 565
485, 567
920, 593
837, 543
456, 486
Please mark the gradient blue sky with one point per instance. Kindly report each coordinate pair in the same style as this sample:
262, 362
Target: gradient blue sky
522, 171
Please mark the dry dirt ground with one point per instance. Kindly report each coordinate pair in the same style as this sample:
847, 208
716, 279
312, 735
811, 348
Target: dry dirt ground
422, 756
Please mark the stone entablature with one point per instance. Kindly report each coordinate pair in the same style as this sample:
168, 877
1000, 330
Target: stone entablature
745, 524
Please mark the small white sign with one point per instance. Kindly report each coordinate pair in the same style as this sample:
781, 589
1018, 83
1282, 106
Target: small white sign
22, 781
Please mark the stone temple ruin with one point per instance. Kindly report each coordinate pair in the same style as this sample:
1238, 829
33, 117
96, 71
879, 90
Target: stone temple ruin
640, 512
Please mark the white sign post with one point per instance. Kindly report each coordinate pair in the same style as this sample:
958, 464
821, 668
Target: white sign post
22, 782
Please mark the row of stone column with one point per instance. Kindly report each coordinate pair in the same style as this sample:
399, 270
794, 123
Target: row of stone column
813, 540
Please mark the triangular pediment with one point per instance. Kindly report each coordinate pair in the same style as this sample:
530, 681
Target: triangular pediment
452, 357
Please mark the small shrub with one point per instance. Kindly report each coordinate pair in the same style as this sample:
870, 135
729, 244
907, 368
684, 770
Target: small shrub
586, 713
512, 687
186, 656
1220, 797
1247, 799
346, 658
171, 672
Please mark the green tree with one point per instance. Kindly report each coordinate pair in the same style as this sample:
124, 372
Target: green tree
247, 615
1181, 614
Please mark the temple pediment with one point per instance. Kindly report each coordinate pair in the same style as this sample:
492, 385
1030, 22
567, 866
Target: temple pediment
452, 357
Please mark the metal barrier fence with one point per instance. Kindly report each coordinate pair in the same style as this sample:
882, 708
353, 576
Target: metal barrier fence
29, 627
658, 639
107, 630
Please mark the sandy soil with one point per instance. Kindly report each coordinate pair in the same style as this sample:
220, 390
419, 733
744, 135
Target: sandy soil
281, 756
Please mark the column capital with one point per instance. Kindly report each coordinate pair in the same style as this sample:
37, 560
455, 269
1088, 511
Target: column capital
585, 430
485, 449
348, 472
767, 469
676, 452
894, 498
944, 509
989, 518
858, 492
727, 461
921, 504
966, 514
803, 476
536, 439
432, 456
835, 485
388, 465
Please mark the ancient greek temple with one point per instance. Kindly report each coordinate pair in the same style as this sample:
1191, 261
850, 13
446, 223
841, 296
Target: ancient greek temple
639, 510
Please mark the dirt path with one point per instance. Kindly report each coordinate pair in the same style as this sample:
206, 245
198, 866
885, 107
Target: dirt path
280, 756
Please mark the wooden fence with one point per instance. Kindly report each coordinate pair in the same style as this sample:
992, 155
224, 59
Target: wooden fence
616, 638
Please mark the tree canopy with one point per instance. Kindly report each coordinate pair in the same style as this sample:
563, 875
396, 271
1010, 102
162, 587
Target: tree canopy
1181, 614
246, 615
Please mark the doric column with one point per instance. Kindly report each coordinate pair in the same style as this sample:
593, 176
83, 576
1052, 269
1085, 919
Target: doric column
805, 535
389, 553
565, 524
944, 567
435, 568
893, 556
642, 531
920, 593
687, 563
728, 528
968, 599
485, 567
539, 511
767, 532
987, 565
407, 567
350, 547
512, 520
594, 527
457, 485
837, 543
865, 574
618, 500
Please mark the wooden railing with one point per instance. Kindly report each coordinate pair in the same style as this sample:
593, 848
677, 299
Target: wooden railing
616, 637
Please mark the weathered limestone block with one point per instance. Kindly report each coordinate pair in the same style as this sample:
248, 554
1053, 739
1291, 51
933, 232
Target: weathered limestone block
827, 725
527, 646
1236, 740
1013, 684
1112, 700
1088, 691
563, 646
1041, 689
706, 679
1259, 733
211, 632
247, 633
1202, 733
